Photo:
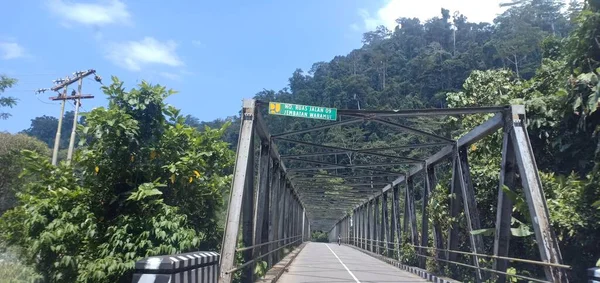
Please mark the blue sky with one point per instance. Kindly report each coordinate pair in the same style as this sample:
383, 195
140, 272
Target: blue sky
215, 53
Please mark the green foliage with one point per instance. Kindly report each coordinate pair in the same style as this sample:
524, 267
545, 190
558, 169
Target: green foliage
319, 236
44, 129
6, 101
408, 253
143, 184
261, 269
15, 272
12, 165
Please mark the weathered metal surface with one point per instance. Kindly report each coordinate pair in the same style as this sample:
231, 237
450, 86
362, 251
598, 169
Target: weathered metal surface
339, 148
470, 208
422, 112
530, 179
425, 217
476, 134
248, 215
274, 211
377, 224
237, 191
323, 127
262, 197
438, 240
505, 205
396, 218
412, 130
412, 215
455, 204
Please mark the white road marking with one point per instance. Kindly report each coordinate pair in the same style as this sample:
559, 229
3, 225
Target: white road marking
351, 274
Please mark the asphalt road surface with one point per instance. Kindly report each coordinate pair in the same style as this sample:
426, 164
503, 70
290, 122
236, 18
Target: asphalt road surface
320, 262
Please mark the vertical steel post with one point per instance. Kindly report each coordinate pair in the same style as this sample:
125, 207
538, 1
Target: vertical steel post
455, 203
534, 194
370, 225
410, 188
470, 208
396, 217
281, 226
261, 196
386, 224
248, 216
303, 224
437, 230
376, 225
504, 211
274, 211
244, 150
425, 218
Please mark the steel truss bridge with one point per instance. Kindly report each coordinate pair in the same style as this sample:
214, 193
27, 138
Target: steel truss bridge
366, 195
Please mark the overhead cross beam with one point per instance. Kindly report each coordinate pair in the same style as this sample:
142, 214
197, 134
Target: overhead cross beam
363, 150
411, 130
421, 112
327, 126
346, 149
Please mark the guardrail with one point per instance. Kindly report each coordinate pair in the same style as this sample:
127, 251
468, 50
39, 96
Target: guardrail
194, 267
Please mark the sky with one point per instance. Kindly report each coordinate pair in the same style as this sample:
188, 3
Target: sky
214, 53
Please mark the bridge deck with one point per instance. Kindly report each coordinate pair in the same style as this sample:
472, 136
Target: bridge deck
319, 262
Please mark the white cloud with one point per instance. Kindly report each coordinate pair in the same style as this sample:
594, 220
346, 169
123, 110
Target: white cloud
474, 10
133, 55
197, 43
104, 12
11, 50
170, 76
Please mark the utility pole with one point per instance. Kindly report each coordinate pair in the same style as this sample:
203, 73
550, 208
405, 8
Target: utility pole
58, 129
77, 104
63, 84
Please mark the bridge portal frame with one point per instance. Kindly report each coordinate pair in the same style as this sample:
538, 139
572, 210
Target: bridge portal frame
271, 206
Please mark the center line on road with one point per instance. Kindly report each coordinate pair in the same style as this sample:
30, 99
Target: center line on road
351, 274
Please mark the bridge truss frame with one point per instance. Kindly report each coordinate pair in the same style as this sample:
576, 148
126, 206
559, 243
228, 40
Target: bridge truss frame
275, 215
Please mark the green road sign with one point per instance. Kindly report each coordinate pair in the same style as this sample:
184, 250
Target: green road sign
303, 111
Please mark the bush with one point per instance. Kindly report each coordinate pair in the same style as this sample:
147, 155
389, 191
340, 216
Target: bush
143, 184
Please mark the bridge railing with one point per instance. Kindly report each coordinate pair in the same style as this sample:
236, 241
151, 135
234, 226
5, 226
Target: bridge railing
374, 221
263, 200
194, 267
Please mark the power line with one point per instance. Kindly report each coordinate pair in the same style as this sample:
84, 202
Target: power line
76, 96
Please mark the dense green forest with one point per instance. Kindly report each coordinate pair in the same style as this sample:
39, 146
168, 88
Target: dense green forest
539, 53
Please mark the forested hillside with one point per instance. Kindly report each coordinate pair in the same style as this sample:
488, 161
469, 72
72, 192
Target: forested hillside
538, 53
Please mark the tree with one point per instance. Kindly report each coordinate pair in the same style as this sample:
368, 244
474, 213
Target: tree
44, 128
12, 165
142, 184
7, 101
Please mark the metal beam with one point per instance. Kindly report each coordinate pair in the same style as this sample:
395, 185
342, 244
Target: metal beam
504, 210
470, 209
410, 146
361, 167
347, 185
347, 149
334, 176
234, 210
248, 217
412, 130
341, 123
532, 186
422, 112
471, 137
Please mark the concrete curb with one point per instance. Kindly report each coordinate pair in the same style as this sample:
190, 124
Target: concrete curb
414, 270
277, 270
